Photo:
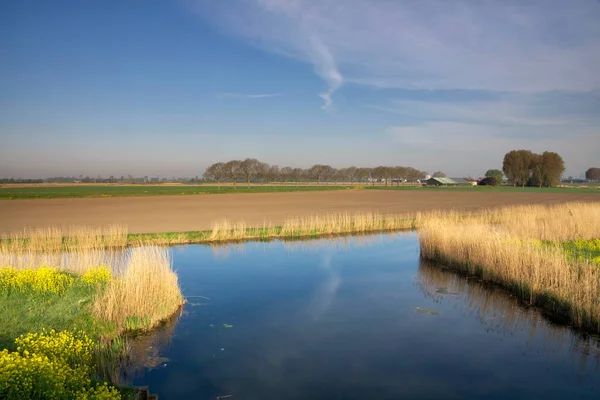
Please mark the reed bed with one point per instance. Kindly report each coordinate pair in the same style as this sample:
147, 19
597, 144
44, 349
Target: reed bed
143, 290
146, 293
74, 250
312, 226
519, 248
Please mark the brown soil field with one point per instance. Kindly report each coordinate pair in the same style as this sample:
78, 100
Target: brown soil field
189, 213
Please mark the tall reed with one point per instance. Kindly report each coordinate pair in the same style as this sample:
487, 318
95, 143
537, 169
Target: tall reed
146, 292
505, 247
144, 289
75, 249
315, 225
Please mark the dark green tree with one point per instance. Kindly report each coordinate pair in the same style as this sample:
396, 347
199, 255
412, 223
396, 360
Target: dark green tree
592, 174
494, 173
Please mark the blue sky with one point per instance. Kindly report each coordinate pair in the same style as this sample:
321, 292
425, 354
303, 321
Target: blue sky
169, 87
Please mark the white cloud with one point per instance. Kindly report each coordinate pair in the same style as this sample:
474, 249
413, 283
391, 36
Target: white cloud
531, 45
513, 111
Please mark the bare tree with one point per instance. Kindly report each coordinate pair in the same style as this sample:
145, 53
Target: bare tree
327, 173
350, 174
286, 174
339, 175
249, 167
213, 173
400, 173
273, 173
316, 172
363, 174
262, 170
232, 170
413, 174
381, 173
297, 174
438, 174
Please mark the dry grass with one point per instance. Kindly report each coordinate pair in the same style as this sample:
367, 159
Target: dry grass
504, 246
146, 293
75, 250
332, 224
144, 290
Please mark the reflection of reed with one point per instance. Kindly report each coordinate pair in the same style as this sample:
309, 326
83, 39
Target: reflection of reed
224, 250
143, 352
501, 312
339, 243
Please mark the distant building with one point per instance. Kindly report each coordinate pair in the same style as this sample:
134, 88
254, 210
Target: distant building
441, 182
464, 182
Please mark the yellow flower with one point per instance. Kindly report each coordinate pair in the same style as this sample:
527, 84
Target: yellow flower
51, 364
97, 276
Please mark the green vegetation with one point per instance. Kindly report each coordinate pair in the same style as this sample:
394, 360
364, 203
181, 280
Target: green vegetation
524, 168
63, 327
49, 336
583, 250
54, 192
53, 365
593, 174
34, 299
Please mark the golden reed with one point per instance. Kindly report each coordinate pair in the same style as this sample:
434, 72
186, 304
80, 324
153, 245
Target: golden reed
518, 247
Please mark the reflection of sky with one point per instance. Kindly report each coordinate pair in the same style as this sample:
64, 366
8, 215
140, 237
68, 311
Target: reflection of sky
339, 322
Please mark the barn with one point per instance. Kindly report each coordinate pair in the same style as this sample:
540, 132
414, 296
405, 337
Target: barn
464, 182
441, 182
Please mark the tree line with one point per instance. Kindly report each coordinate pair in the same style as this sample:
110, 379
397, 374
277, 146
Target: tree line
252, 170
525, 168
129, 179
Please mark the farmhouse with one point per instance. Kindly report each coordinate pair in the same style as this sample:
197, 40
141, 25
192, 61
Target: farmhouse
440, 182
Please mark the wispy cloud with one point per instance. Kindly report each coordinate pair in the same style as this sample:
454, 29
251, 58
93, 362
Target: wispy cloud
248, 96
513, 119
526, 46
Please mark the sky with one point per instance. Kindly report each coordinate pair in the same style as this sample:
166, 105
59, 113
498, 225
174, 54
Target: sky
103, 87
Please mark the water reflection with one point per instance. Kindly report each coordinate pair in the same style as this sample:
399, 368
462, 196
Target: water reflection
353, 318
501, 312
309, 244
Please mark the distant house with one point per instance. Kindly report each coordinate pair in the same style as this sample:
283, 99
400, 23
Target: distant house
440, 182
464, 182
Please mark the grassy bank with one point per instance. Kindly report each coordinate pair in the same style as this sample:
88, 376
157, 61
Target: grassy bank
80, 288
76, 191
54, 246
525, 249
292, 228
83, 191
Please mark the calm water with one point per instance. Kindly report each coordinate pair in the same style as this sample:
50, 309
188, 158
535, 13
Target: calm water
355, 318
